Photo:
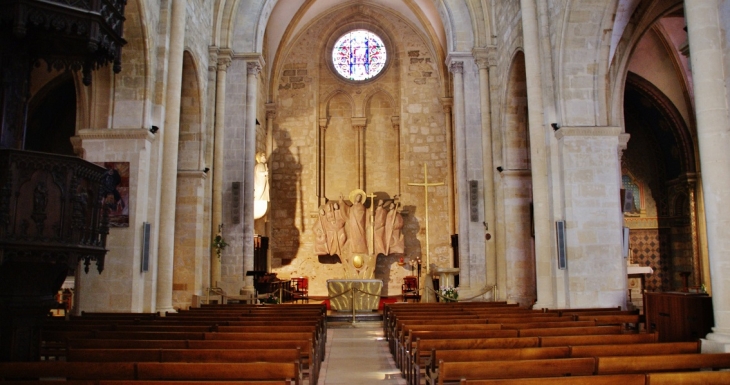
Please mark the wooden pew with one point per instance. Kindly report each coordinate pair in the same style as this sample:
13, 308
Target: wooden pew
403, 353
571, 331
657, 348
609, 339
422, 349
132, 371
142, 382
688, 378
467, 355
657, 363
560, 352
452, 372
616, 379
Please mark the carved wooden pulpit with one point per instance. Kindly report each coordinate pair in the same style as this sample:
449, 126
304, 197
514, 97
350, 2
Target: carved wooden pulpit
51, 217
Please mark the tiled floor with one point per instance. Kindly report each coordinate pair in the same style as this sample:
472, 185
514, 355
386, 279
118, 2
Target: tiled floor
358, 355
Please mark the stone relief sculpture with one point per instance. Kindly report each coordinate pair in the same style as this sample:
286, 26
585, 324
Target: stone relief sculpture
342, 229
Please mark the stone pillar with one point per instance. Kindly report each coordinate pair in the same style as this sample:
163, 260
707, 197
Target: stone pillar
447, 104
358, 124
490, 218
544, 261
706, 42
596, 269
462, 189
253, 69
224, 60
320, 160
171, 134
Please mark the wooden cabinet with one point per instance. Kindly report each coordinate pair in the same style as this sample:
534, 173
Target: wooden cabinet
678, 316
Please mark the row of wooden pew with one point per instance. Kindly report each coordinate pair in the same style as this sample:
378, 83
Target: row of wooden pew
232, 344
496, 343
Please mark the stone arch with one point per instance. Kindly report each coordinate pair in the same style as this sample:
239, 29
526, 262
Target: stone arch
458, 24
340, 147
382, 144
245, 31
324, 111
190, 153
516, 143
137, 105
584, 43
642, 21
379, 91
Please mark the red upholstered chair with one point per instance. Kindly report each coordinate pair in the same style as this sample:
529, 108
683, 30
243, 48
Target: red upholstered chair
409, 289
300, 287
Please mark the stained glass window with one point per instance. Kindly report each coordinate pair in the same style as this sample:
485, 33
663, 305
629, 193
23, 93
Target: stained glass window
359, 55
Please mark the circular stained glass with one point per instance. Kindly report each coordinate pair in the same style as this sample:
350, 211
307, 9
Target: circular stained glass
359, 55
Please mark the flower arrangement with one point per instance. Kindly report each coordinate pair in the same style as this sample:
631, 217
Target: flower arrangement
219, 243
449, 294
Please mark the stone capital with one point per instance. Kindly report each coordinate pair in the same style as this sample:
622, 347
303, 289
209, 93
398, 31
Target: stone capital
253, 68
447, 104
224, 59
193, 174
359, 123
485, 57
395, 120
270, 110
456, 67
323, 123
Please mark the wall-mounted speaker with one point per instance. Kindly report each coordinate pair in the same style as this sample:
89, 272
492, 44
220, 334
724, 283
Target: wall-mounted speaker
145, 265
560, 239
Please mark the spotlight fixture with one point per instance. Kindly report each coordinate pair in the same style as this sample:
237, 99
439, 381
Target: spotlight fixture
205, 170
555, 126
154, 129
500, 169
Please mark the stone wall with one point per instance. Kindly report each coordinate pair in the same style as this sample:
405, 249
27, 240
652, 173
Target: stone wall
404, 127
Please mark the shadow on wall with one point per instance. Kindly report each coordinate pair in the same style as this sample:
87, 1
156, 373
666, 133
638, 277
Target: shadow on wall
286, 188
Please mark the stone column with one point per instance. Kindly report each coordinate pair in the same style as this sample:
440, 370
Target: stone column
447, 104
706, 44
171, 134
224, 60
358, 124
544, 261
596, 269
490, 218
253, 69
462, 188
320, 160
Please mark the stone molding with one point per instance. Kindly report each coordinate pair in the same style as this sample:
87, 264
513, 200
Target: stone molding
193, 174
456, 67
395, 120
115, 133
516, 173
594, 131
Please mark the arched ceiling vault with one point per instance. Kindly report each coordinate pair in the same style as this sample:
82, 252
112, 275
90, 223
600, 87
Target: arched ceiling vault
453, 25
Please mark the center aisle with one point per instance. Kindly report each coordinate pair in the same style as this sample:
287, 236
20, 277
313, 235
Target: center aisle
358, 355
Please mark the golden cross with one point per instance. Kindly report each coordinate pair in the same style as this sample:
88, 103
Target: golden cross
426, 185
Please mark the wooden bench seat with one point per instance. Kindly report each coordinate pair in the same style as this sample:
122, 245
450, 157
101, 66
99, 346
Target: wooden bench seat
688, 378
466, 355
616, 379
131, 371
657, 363
571, 331
112, 382
452, 372
557, 352
658, 348
609, 339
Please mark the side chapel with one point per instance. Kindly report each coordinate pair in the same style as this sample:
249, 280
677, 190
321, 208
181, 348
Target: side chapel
235, 119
